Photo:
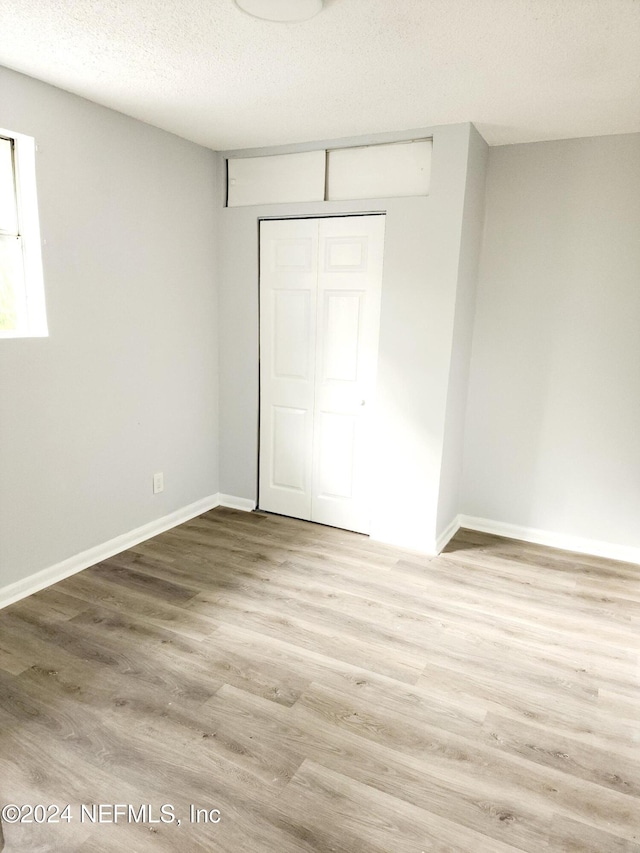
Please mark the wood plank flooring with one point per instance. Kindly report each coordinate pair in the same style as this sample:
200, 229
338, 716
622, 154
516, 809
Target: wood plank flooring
327, 693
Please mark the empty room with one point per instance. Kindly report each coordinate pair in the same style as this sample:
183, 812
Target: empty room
320, 426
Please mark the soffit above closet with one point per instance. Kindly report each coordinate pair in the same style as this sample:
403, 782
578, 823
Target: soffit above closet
393, 170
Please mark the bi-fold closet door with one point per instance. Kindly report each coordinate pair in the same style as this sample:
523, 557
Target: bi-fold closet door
320, 285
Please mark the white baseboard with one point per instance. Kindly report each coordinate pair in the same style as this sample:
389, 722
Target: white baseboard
22, 588
447, 534
46, 577
244, 504
593, 547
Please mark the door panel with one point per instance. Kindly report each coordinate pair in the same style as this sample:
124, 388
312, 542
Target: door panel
288, 293
341, 325
349, 289
336, 434
289, 429
320, 284
292, 327
345, 254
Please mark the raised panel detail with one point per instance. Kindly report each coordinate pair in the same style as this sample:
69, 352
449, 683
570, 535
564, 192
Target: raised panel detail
342, 312
337, 437
288, 453
346, 254
294, 254
291, 330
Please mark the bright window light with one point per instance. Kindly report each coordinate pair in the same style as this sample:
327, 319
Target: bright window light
22, 306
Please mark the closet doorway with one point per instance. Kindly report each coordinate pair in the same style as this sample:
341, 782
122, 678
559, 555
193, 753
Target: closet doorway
320, 287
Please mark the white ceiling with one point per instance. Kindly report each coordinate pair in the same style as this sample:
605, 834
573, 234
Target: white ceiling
522, 70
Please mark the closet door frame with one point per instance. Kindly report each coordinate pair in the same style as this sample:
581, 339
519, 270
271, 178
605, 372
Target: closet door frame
299, 416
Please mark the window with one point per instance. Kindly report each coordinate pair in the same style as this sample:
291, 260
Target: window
22, 308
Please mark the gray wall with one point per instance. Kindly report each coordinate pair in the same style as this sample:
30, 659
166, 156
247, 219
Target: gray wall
553, 424
126, 383
470, 243
421, 268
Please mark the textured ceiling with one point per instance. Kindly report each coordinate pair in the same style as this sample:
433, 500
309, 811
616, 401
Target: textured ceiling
522, 70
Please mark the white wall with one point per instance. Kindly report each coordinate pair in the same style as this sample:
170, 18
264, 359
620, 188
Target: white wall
553, 424
421, 268
126, 384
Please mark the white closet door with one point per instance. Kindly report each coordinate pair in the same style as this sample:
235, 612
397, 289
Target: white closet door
348, 320
288, 296
320, 284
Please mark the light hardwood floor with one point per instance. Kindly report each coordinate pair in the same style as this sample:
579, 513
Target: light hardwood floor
327, 693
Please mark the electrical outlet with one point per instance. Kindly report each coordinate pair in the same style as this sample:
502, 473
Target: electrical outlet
158, 483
